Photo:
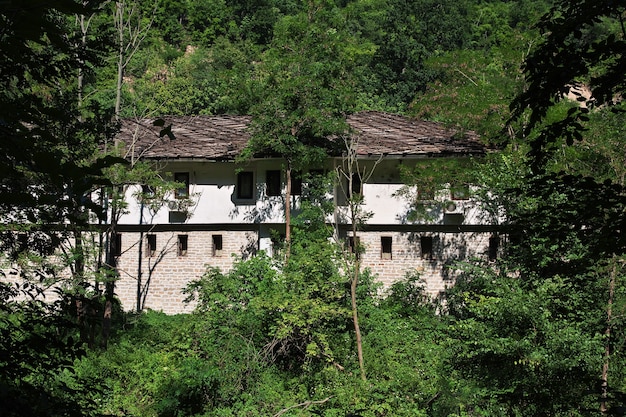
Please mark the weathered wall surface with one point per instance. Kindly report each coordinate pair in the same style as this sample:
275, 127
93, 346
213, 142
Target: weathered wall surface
407, 256
158, 278
166, 272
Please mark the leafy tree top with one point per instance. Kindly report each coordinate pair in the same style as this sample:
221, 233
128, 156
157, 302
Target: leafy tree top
583, 41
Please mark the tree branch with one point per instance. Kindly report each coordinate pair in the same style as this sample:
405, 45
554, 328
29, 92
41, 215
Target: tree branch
305, 404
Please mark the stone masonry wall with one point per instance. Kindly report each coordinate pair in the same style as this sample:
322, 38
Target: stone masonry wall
407, 256
166, 270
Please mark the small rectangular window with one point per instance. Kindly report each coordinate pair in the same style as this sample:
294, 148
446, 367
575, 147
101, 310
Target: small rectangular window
426, 245
182, 245
217, 245
183, 189
245, 185
425, 195
357, 185
494, 244
354, 246
116, 244
150, 245
22, 242
296, 183
147, 191
386, 243
278, 243
272, 183
460, 191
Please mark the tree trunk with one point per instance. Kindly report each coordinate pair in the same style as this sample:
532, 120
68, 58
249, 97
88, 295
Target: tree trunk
110, 273
79, 276
119, 12
354, 207
140, 260
288, 212
607, 338
81, 76
109, 292
355, 318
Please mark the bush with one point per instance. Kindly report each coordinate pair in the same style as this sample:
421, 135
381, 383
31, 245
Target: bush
38, 346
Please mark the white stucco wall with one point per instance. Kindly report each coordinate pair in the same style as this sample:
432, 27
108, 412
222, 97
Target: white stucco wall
212, 189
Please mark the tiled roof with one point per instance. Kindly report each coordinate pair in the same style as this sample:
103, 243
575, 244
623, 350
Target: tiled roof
224, 137
390, 134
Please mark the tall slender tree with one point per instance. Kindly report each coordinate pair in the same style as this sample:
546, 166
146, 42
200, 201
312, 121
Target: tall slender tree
304, 76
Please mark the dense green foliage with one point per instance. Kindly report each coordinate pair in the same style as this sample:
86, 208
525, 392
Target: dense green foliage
254, 348
213, 56
38, 347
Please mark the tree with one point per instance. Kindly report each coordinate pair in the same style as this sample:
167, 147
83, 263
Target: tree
587, 47
304, 75
49, 167
553, 297
49, 163
38, 349
351, 175
410, 31
131, 29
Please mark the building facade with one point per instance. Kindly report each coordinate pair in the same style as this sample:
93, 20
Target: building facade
228, 210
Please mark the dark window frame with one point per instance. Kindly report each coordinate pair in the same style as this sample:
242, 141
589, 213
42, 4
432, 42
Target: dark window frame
354, 246
426, 247
386, 247
218, 245
151, 243
183, 245
494, 245
245, 185
273, 183
116, 244
182, 192
148, 191
296, 183
357, 185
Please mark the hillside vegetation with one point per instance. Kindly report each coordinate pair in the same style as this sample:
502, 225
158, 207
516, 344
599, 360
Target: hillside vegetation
424, 57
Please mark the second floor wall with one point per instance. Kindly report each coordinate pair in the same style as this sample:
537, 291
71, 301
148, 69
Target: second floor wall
254, 192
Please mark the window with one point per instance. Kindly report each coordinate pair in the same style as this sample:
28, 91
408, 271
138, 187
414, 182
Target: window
147, 191
296, 183
354, 246
494, 244
245, 185
278, 243
425, 195
116, 244
217, 245
385, 245
183, 190
182, 245
426, 244
22, 242
460, 192
272, 183
357, 185
150, 245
